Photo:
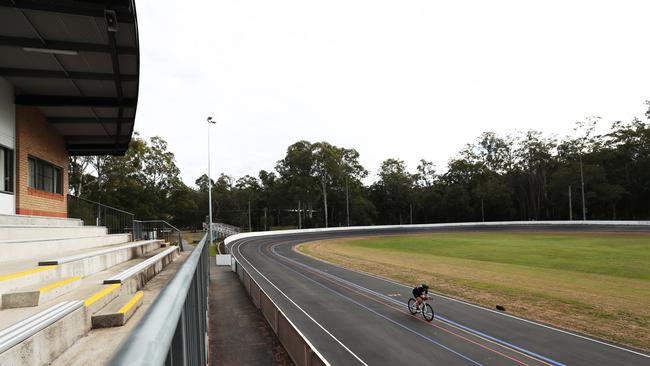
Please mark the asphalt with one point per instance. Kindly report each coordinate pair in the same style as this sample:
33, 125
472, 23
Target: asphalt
356, 318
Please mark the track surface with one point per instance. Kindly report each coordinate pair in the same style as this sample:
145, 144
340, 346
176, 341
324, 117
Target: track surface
354, 318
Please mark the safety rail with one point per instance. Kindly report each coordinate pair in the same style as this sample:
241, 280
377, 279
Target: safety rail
174, 329
297, 345
157, 229
225, 230
98, 214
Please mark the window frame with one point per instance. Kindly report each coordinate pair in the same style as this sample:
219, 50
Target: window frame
10, 171
38, 175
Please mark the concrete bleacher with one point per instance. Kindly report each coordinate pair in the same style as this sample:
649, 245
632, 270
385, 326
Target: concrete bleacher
42, 286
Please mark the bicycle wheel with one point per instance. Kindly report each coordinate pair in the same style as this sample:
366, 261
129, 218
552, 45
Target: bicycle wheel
427, 312
412, 306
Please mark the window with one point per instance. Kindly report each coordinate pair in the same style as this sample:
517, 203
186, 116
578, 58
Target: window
44, 176
6, 170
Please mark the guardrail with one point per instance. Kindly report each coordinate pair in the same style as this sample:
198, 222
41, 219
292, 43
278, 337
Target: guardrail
224, 230
457, 225
174, 331
296, 344
157, 229
301, 351
98, 214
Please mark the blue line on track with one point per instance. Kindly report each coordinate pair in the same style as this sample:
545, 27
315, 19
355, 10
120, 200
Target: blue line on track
530, 353
385, 317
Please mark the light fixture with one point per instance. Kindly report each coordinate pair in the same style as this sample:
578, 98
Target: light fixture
111, 20
51, 51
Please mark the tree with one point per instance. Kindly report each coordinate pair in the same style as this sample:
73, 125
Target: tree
426, 174
392, 192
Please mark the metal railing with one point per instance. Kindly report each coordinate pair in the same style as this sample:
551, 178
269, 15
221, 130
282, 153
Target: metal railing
174, 329
157, 229
224, 230
98, 214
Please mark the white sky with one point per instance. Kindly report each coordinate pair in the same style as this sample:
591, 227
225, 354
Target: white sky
405, 79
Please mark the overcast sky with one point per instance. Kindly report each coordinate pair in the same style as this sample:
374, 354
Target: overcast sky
406, 79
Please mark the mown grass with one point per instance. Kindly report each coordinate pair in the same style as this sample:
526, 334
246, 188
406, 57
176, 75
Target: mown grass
594, 283
620, 255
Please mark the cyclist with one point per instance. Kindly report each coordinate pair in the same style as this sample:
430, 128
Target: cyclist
420, 293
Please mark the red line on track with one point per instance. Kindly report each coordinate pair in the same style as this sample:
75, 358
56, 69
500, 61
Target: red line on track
390, 305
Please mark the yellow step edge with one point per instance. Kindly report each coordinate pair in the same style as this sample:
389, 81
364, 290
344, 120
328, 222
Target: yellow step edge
59, 284
131, 302
107, 290
26, 272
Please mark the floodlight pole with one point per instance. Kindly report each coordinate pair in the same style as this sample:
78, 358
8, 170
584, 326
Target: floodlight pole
210, 121
570, 206
582, 184
299, 216
347, 201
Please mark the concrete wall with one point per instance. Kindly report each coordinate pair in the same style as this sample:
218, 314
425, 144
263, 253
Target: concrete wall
7, 137
35, 137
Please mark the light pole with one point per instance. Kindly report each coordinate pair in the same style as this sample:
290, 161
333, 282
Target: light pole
210, 121
582, 184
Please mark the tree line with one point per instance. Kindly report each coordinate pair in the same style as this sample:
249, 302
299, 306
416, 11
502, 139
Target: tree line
522, 176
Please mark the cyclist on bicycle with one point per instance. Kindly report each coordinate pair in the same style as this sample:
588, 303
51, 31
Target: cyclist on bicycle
420, 293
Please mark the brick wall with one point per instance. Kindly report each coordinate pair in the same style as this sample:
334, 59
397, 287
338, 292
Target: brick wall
35, 137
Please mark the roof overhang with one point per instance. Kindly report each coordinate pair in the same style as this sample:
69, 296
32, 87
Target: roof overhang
78, 62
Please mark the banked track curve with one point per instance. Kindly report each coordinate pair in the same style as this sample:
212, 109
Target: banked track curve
353, 318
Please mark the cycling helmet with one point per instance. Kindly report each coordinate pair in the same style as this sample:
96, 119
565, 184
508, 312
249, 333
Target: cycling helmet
425, 286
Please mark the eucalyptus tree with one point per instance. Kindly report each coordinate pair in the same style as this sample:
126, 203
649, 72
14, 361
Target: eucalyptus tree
296, 180
393, 190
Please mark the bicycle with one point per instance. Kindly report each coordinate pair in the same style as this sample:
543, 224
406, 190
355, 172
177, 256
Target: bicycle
426, 309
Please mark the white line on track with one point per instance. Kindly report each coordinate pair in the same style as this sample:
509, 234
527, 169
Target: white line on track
486, 309
451, 350
440, 319
297, 306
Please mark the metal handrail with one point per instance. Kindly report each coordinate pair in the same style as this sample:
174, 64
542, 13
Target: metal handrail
141, 230
174, 329
155, 221
94, 213
99, 203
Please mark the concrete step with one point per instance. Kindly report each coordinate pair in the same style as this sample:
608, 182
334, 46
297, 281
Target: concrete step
40, 338
24, 249
118, 311
78, 263
39, 221
134, 278
94, 261
22, 232
39, 294
101, 298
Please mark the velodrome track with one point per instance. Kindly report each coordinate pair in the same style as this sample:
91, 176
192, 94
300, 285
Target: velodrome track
353, 318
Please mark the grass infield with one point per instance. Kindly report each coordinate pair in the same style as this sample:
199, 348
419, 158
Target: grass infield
593, 283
